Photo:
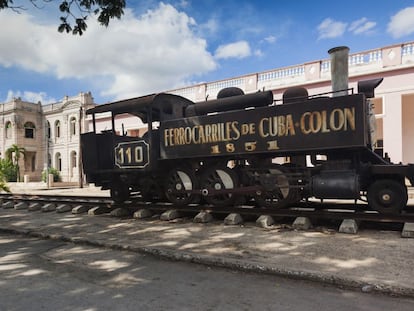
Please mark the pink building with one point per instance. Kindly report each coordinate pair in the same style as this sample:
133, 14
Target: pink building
394, 97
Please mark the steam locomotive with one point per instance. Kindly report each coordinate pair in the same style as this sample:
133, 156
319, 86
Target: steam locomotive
222, 152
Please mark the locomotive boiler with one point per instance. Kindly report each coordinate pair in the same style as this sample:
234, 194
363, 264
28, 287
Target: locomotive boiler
224, 151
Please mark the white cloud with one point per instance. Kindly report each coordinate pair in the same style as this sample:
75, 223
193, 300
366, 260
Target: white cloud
240, 49
361, 26
330, 28
154, 52
210, 27
402, 23
270, 39
258, 53
30, 97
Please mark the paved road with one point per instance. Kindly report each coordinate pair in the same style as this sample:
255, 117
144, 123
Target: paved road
54, 275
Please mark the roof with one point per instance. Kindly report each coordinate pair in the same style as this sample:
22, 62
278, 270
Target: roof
124, 106
161, 103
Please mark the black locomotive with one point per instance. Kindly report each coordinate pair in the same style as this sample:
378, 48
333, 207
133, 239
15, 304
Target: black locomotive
221, 152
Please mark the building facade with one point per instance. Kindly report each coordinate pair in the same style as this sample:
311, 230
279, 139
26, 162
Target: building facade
48, 133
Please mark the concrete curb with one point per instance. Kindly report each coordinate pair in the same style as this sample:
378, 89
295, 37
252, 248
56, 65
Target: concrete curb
235, 264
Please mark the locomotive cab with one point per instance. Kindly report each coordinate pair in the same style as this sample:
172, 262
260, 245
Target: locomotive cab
117, 158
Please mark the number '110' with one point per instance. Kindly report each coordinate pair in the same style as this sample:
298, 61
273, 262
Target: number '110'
130, 155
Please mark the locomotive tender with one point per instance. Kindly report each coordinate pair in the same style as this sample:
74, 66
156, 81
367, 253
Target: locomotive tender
222, 151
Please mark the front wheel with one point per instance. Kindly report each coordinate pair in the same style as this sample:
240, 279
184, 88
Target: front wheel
179, 184
387, 196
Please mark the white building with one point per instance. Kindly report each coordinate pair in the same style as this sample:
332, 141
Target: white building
49, 134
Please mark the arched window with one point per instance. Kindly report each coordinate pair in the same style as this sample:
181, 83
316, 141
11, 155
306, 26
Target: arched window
58, 161
57, 129
29, 130
8, 127
47, 129
72, 126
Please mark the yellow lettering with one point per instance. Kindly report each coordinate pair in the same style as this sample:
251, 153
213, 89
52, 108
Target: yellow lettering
230, 148
325, 128
262, 132
290, 126
272, 145
350, 118
336, 120
215, 149
250, 146
139, 156
235, 130
244, 129
304, 123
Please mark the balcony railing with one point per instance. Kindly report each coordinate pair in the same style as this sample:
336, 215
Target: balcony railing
358, 62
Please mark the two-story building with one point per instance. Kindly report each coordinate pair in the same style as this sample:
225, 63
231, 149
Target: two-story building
48, 133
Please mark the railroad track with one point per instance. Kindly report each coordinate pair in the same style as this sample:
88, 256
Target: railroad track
312, 209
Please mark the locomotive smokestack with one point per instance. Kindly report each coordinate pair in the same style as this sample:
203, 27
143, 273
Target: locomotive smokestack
339, 70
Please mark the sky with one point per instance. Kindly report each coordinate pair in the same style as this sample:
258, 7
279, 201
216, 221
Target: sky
160, 46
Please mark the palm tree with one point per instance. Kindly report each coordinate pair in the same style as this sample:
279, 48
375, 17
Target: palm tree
13, 153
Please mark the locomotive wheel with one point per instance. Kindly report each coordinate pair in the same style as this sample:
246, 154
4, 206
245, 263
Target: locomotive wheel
119, 192
277, 194
387, 196
178, 182
219, 178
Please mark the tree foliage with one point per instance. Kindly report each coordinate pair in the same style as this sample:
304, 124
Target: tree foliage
8, 172
54, 172
13, 155
74, 13
3, 185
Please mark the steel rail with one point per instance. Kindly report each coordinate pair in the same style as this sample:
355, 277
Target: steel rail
314, 210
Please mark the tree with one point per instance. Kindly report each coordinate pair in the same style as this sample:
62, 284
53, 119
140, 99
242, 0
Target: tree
75, 12
54, 172
8, 171
5, 166
13, 154
3, 185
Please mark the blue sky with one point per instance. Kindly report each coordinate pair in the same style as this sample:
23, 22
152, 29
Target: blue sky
159, 46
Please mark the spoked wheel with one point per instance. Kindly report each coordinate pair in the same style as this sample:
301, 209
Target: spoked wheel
119, 192
178, 184
277, 192
387, 196
218, 179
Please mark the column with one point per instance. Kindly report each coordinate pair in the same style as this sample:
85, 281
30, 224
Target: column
393, 127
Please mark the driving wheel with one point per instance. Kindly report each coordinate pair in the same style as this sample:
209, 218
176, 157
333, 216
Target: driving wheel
179, 184
276, 192
216, 185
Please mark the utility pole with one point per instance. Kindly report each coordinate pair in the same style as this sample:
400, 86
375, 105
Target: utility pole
80, 166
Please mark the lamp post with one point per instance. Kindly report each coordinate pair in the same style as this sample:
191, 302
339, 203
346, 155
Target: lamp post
80, 166
47, 157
